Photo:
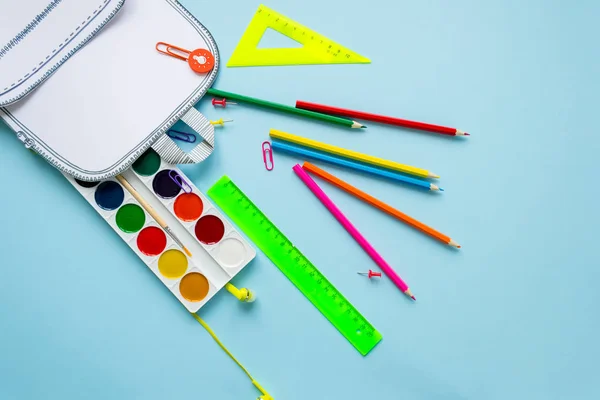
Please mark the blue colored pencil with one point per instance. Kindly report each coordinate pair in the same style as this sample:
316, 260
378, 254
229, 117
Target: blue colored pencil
293, 149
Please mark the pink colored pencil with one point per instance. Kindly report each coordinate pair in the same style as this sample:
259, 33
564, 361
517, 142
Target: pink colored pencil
360, 239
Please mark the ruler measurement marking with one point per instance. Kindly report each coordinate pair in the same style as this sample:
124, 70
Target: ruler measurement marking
303, 274
284, 24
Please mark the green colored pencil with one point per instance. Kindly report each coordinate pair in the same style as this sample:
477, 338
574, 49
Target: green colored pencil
284, 108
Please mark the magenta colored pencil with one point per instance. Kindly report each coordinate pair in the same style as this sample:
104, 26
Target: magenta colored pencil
360, 239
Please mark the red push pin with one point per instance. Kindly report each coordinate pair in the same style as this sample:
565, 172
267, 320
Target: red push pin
223, 102
370, 274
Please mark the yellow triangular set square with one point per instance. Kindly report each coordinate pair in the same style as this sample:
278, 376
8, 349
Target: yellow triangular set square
316, 49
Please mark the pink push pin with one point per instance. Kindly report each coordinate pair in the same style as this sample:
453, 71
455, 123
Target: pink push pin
370, 274
223, 102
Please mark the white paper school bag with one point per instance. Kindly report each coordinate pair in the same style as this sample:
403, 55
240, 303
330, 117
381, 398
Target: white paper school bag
82, 84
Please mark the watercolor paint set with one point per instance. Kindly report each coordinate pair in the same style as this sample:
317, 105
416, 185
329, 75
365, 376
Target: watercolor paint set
195, 212
218, 250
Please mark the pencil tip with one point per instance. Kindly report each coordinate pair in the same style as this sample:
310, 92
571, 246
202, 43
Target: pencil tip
467, 134
187, 251
414, 298
440, 189
454, 244
363, 127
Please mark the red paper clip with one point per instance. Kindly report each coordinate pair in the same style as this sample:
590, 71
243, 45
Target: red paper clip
266, 149
199, 60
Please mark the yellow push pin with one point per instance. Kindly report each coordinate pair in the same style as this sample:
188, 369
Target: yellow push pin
221, 121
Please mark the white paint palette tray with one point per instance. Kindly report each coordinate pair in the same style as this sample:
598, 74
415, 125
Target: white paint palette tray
219, 251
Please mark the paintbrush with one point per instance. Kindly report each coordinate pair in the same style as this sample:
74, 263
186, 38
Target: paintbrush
152, 212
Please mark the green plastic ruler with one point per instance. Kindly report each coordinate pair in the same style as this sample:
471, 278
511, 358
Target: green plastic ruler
307, 278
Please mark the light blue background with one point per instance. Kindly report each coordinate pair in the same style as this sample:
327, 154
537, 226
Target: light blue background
514, 314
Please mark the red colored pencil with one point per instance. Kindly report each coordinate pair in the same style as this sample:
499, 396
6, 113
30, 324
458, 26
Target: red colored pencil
444, 130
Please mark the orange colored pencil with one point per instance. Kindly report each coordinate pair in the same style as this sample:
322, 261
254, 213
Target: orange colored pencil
367, 198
